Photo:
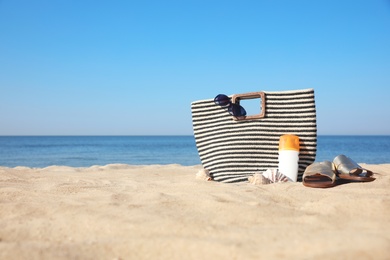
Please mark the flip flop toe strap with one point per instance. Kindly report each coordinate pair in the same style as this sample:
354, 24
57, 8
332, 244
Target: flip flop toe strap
345, 165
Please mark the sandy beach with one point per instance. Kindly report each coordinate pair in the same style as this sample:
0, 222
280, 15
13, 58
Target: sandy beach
165, 212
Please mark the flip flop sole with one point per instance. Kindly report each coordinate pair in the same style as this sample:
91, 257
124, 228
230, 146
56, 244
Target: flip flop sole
318, 181
355, 178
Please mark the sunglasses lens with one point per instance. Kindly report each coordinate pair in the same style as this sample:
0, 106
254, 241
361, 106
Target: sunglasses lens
222, 100
237, 110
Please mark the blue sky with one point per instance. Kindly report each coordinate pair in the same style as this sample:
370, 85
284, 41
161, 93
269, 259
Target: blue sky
134, 67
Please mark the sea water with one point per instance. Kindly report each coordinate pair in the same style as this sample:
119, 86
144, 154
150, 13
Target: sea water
85, 151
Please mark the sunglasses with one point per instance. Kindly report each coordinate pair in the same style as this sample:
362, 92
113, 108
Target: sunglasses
233, 108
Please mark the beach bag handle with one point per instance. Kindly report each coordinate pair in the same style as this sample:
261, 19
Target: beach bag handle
236, 98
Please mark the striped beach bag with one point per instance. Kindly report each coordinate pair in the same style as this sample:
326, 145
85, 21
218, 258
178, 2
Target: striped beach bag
233, 147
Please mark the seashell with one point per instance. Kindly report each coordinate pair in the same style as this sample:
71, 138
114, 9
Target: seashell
267, 177
256, 179
203, 174
274, 176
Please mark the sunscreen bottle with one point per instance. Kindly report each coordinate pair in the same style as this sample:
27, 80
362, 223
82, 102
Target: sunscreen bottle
289, 156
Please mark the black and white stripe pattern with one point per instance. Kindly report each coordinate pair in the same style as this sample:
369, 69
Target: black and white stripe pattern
233, 150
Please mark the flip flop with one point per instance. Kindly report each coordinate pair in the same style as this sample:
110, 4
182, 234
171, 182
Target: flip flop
348, 169
319, 175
